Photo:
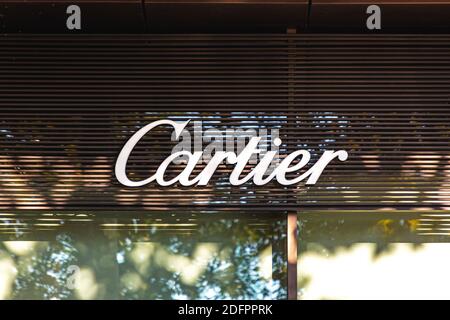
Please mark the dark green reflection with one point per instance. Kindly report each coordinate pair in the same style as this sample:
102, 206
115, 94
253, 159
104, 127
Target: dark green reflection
176, 255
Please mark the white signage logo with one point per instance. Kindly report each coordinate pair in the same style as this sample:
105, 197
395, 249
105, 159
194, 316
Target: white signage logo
268, 167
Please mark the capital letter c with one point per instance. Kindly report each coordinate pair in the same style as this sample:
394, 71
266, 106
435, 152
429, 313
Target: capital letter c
122, 159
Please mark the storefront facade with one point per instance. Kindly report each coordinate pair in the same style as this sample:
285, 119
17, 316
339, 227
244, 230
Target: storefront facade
68, 105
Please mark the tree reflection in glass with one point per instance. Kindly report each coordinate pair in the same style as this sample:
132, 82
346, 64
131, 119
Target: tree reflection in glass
159, 256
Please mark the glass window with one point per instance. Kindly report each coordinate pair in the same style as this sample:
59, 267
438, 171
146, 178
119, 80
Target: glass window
374, 254
165, 255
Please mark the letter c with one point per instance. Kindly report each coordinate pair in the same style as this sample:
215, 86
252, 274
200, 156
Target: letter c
122, 159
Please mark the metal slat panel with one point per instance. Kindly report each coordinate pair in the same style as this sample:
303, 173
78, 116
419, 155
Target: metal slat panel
196, 16
396, 15
68, 104
50, 16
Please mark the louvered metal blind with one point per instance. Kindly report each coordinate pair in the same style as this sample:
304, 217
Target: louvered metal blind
69, 103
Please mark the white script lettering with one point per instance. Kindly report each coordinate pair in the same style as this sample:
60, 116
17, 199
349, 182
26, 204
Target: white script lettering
240, 161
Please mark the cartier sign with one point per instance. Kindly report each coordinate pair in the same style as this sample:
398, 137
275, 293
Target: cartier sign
268, 164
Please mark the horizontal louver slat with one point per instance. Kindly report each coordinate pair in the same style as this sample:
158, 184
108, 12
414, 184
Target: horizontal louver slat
68, 104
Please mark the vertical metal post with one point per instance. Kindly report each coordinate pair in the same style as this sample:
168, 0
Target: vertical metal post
291, 216
292, 255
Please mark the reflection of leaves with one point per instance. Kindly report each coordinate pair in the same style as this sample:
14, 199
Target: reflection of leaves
233, 271
413, 224
303, 282
386, 226
43, 273
335, 232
